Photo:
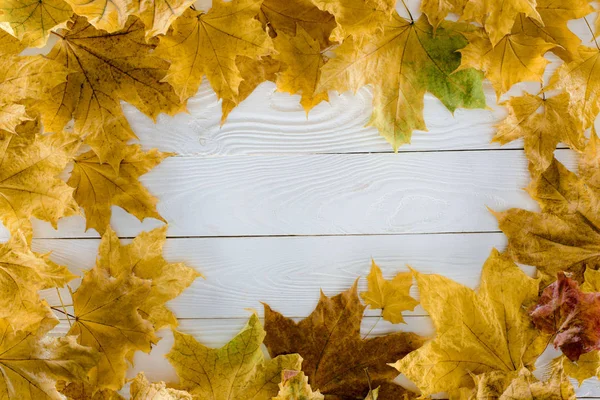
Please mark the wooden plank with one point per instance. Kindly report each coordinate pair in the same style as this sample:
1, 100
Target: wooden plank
288, 272
216, 332
327, 194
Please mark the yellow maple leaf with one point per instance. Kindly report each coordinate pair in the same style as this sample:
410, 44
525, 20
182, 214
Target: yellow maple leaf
106, 319
438, 10
578, 78
158, 15
99, 186
553, 25
141, 389
402, 63
10, 44
543, 123
359, 18
392, 297
207, 44
237, 370
32, 364
32, 20
12, 115
23, 274
476, 332
143, 258
498, 17
285, 16
515, 58
29, 186
304, 59
108, 15
253, 72
294, 386
106, 68
564, 236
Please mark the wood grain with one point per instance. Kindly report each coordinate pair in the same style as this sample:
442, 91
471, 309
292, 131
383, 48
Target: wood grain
288, 272
329, 194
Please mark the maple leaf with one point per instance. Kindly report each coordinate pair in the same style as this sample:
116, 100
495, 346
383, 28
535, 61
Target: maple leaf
359, 18
476, 332
392, 297
294, 386
402, 63
141, 389
108, 15
237, 370
31, 363
253, 72
143, 258
498, 18
570, 315
29, 186
10, 44
304, 59
30, 77
207, 44
335, 356
12, 115
85, 391
438, 10
515, 58
106, 68
282, 16
32, 20
23, 274
157, 15
106, 319
99, 186
553, 25
542, 131
564, 236
523, 386
578, 78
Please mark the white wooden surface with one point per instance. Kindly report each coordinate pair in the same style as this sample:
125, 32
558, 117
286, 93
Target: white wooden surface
273, 206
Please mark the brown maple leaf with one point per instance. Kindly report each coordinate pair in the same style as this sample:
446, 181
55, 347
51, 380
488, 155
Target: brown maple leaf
335, 356
571, 315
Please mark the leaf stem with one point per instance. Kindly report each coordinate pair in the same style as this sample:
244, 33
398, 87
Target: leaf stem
373, 327
63, 312
592, 32
57, 34
370, 395
412, 20
64, 307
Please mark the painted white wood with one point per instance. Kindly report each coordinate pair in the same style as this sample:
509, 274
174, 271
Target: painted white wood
329, 194
287, 272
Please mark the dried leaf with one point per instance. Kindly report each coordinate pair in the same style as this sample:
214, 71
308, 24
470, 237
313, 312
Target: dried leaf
31, 363
402, 63
141, 389
107, 68
108, 15
294, 386
528, 387
543, 123
237, 370
564, 236
570, 315
476, 332
143, 258
29, 186
515, 58
157, 15
32, 20
335, 356
208, 44
498, 17
10, 44
578, 78
392, 297
106, 319
85, 391
438, 10
99, 186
